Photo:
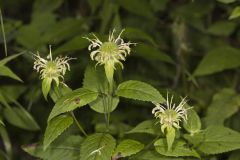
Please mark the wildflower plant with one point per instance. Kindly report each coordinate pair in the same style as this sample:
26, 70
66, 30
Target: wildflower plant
169, 116
109, 53
51, 70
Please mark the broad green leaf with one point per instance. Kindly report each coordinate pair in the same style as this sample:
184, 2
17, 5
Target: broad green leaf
127, 148
13, 90
219, 139
98, 146
193, 123
140, 91
148, 126
95, 80
19, 117
217, 60
9, 58
222, 28
5, 71
137, 34
179, 149
226, 1
77, 43
3, 156
46, 86
235, 13
151, 53
1, 122
58, 91
142, 9
55, 128
224, 104
61, 149
98, 104
72, 100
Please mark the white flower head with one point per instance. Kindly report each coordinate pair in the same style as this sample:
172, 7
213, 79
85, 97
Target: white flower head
49, 68
111, 52
170, 114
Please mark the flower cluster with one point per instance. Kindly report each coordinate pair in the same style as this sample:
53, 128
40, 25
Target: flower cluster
170, 115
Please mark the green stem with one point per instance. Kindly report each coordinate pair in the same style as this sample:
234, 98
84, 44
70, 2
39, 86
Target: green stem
59, 95
78, 124
109, 97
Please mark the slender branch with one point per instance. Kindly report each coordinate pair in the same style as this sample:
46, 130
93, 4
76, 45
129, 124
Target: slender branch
78, 124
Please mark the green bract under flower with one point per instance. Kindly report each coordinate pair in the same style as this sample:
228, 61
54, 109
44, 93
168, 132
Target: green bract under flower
50, 69
171, 115
109, 53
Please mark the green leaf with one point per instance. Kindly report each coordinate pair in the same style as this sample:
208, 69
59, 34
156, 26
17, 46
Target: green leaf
98, 104
41, 6
95, 80
235, 13
98, 146
142, 9
193, 123
72, 100
55, 128
140, 91
109, 71
179, 149
224, 104
138, 34
66, 148
6, 141
219, 139
5, 71
222, 28
9, 58
148, 126
1, 123
127, 148
77, 43
46, 86
151, 53
170, 137
226, 1
19, 117
217, 60
153, 155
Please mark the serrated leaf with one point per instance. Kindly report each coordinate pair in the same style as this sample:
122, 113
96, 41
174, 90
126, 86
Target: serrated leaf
179, 149
219, 139
55, 128
98, 146
95, 80
218, 60
98, 104
127, 148
148, 126
224, 104
72, 100
139, 91
5, 71
18, 116
63, 149
235, 13
193, 123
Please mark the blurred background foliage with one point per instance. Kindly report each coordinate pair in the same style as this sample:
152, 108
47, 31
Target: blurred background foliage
189, 48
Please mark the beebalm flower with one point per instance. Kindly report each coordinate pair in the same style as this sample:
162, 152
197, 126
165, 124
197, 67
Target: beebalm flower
170, 115
109, 53
50, 69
